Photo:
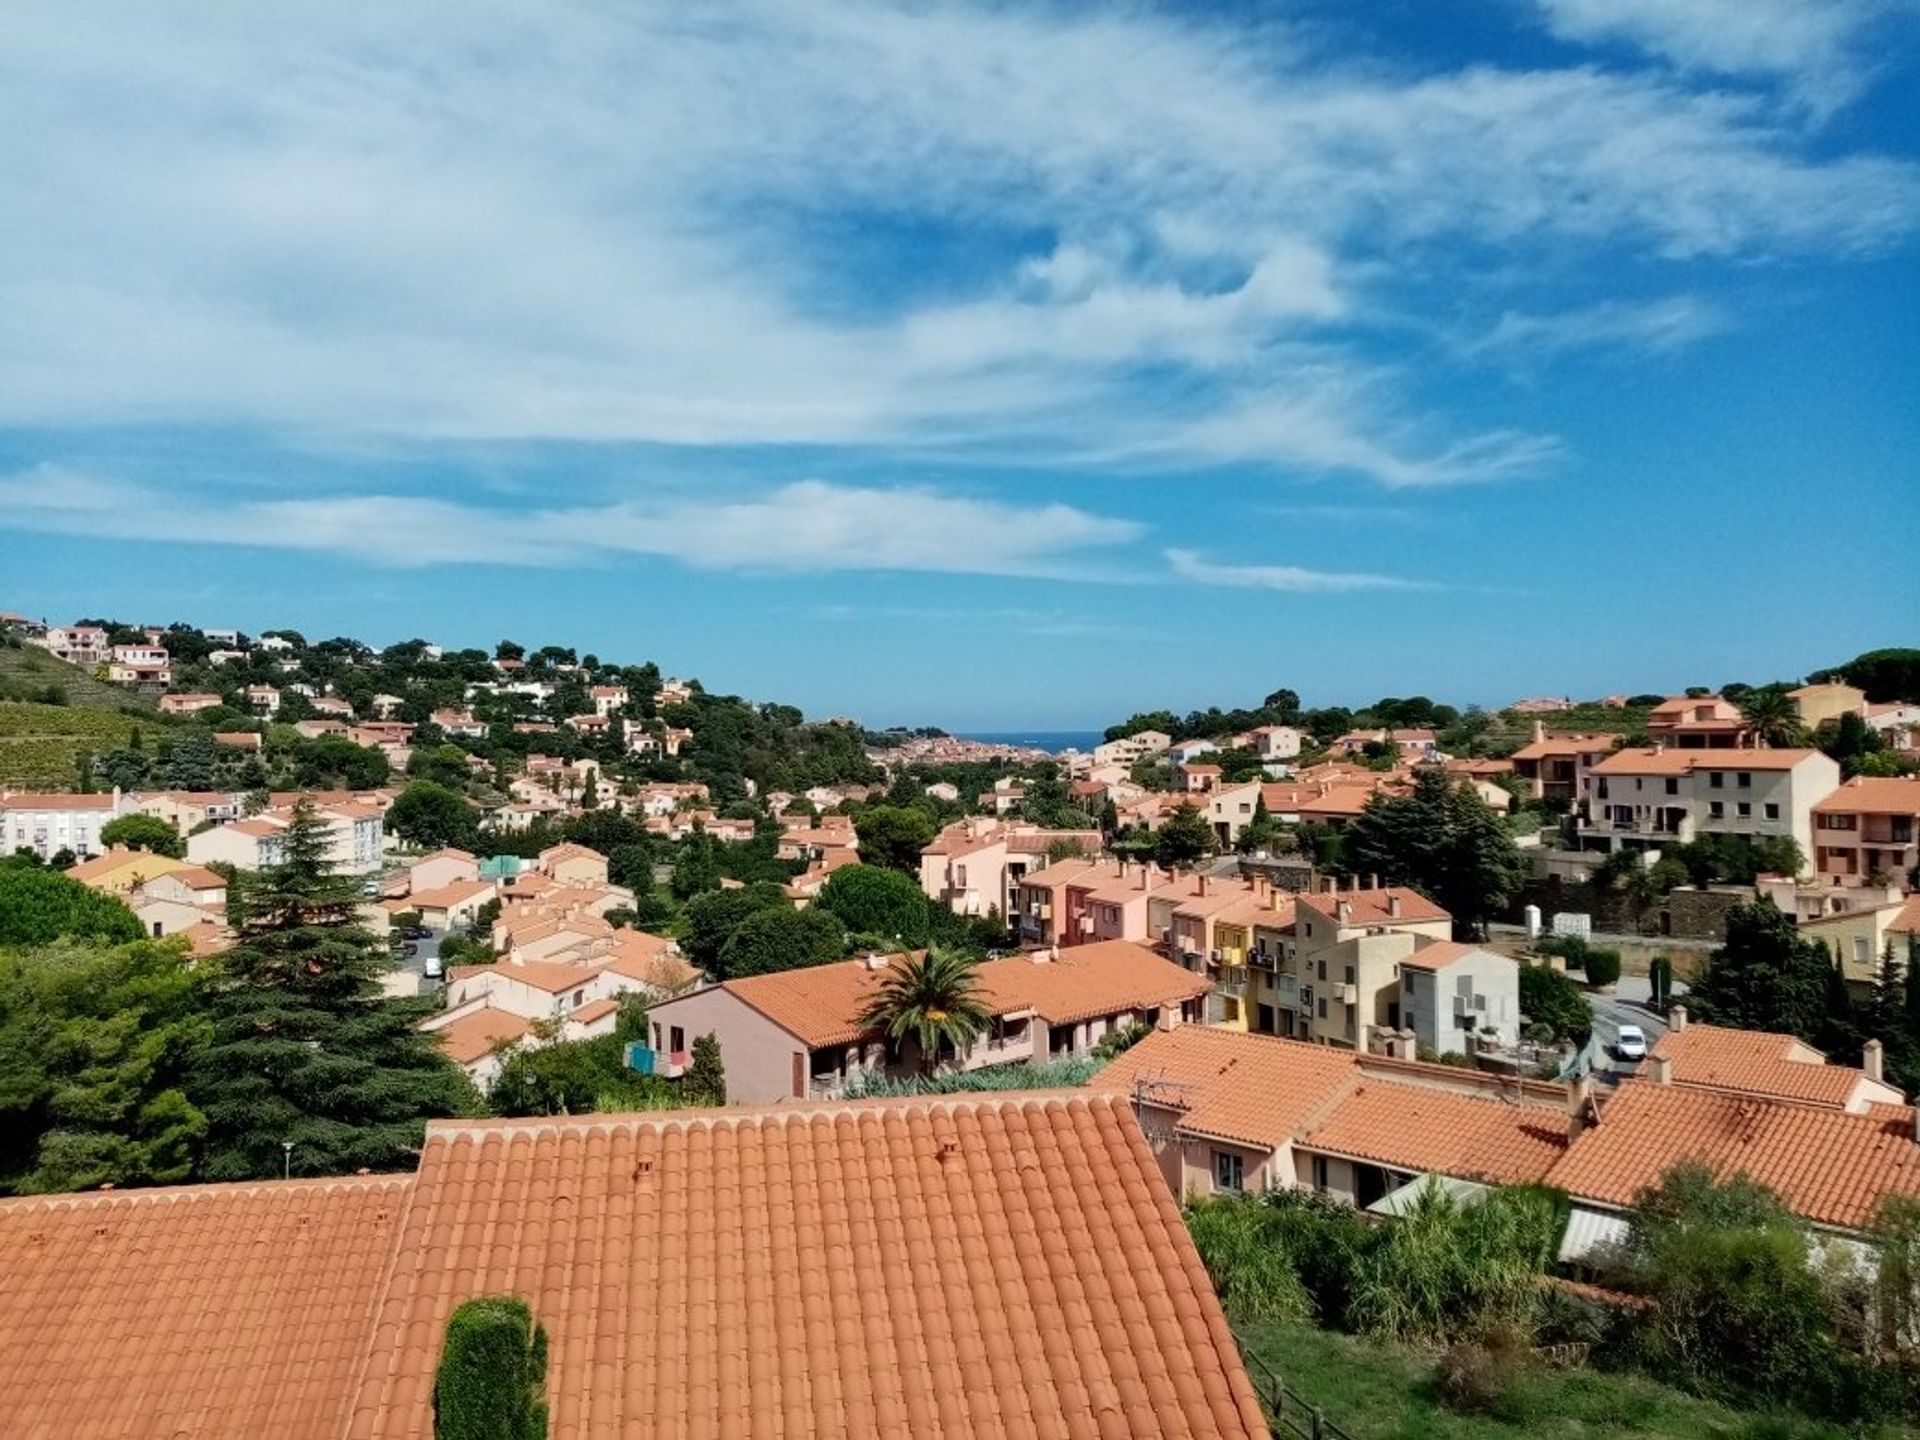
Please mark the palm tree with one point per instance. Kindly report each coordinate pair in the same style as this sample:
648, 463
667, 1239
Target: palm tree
1772, 716
934, 997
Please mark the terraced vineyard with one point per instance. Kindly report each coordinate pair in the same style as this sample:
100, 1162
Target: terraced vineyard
28, 673
40, 745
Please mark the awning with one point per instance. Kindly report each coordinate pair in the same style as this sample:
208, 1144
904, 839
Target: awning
1400, 1201
1591, 1230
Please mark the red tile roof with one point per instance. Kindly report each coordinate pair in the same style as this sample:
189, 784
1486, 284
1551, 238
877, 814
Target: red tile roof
980, 1266
1373, 907
1756, 1062
1412, 1128
1873, 795
475, 1034
1829, 1166
209, 1311
822, 1004
1255, 1089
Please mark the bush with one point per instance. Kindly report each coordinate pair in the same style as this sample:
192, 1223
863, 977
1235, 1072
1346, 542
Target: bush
1603, 967
1476, 1377
492, 1373
1254, 1277
1549, 998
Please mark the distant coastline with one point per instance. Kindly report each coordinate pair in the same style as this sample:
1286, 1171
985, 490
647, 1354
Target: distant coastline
1050, 740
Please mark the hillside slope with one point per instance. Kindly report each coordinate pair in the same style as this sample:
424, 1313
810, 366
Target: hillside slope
40, 745
27, 672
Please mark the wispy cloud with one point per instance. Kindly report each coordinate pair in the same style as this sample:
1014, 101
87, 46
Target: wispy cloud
1294, 579
809, 526
1817, 46
1656, 327
469, 222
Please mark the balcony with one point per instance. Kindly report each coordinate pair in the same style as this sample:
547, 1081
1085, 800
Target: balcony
1231, 980
1345, 994
1287, 988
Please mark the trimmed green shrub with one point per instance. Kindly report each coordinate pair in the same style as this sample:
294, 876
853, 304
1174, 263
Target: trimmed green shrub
492, 1375
1603, 967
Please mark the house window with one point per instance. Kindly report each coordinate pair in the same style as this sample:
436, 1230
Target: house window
1320, 1172
1229, 1172
1743, 809
678, 1039
1600, 788
1323, 1009
1716, 780
1773, 811
1409, 982
1673, 786
1349, 974
1716, 809
1321, 969
1744, 780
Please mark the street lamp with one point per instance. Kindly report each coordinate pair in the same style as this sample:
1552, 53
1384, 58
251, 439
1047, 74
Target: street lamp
286, 1150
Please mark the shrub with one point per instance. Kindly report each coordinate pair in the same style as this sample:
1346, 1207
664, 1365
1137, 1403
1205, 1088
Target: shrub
1603, 967
1253, 1276
492, 1373
1476, 1377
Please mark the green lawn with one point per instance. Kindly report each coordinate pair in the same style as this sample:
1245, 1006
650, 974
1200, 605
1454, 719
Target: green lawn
1376, 1392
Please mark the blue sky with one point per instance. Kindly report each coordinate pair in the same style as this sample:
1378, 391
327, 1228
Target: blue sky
988, 366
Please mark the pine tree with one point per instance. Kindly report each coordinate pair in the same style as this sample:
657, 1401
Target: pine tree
307, 1049
1444, 841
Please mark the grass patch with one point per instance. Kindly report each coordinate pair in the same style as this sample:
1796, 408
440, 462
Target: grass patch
26, 672
1384, 1392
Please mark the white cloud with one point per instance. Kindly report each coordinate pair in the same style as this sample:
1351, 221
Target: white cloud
656, 223
1815, 43
1188, 565
1657, 326
808, 526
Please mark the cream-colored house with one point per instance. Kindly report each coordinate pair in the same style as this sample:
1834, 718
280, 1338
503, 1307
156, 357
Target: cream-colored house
1654, 796
1825, 703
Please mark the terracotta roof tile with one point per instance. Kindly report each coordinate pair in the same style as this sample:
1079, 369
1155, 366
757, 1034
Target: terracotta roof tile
470, 1036
1756, 1062
1418, 1129
979, 1266
1829, 1166
1873, 795
1373, 907
1257, 1089
822, 1004
210, 1311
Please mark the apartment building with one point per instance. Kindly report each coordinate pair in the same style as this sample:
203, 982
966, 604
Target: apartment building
1336, 976
46, 824
1273, 742
1867, 832
1554, 764
1653, 796
1455, 996
975, 865
148, 666
356, 839
76, 644
1230, 809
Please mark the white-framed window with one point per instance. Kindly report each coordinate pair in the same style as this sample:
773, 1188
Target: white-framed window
1229, 1172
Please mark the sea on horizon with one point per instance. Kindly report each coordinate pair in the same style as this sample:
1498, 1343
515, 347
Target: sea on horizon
1053, 741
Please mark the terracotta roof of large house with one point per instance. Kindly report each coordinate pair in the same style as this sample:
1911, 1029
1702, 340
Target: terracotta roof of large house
447, 896
1756, 1062
1873, 795
470, 1036
53, 800
1373, 907
990, 1265
206, 1310
553, 976
1438, 955
121, 858
1411, 1127
1254, 1089
1829, 1166
1652, 760
822, 1004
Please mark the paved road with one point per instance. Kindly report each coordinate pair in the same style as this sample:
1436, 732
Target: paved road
1630, 1004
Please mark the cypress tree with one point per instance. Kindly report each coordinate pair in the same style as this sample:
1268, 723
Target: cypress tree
306, 1047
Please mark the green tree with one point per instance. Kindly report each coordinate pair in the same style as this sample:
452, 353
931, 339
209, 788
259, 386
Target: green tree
933, 999
871, 901
785, 939
1765, 977
1549, 998
698, 868
1443, 840
96, 1046
893, 836
1184, 837
491, 1384
306, 1047
709, 922
705, 1082
193, 762
144, 832
39, 906
431, 817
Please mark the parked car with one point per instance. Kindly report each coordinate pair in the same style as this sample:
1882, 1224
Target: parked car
416, 932
1630, 1043
432, 967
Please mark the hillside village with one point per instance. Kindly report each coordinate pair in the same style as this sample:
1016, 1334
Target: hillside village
1353, 955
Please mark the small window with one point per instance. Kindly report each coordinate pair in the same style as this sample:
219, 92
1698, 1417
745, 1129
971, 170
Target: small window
1716, 809
1745, 780
1673, 786
1349, 975
1716, 780
1319, 1172
1409, 982
1772, 810
1229, 1172
1323, 1009
1743, 809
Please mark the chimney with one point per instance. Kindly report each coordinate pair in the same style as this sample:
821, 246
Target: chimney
1581, 1110
1677, 1019
1393, 906
1343, 911
1202, 878
1539, 732
1662, 1068
1259, 887
1873, 1060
